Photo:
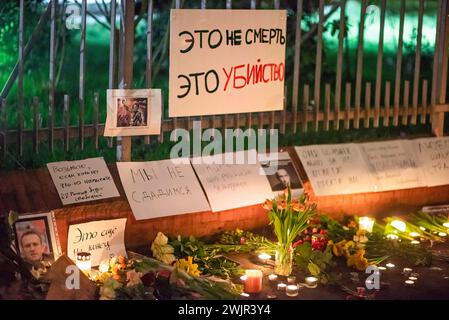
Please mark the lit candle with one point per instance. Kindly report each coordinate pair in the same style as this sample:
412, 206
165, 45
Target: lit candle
409, 283
422, 228
291, 279
83, 261
382, 268
253, 283
390, 265
415, 242
292, 290
272, 277
264, 257
281, 286
243, 278
392, 236
414, 234
413, 278
442, 234
407, 270
366, 224
311, 281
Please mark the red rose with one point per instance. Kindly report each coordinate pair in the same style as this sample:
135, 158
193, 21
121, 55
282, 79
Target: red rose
242, 240
297, 243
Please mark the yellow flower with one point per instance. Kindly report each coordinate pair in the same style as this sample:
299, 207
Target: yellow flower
358, 260
162, 250
188, 266
338, 248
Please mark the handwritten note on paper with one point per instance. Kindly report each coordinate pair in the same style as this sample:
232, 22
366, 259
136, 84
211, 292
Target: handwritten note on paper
82, 180
336, 169
230, 186
393, 165
102, 239
161, 188
433, 158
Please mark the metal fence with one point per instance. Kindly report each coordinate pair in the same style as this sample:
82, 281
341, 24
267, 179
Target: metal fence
345, 105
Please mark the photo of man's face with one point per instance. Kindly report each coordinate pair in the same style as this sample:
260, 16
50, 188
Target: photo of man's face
283, 177
32, 247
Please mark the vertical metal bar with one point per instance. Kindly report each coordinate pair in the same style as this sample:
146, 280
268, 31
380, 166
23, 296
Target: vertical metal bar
424, 101
112, 57
367, 116
149, 56
51, 78
296, 64
305, 105
204, 6
327, 105
397, 82
341, 36
35, 125
66, 122
3, 127
405, 102
95, 119
387, 104
358, 81
436, 67
229, 7
347, 104
319, 55
250, 115
417, 62
128, 67
379, 64
261, 116
81, 95
20, 80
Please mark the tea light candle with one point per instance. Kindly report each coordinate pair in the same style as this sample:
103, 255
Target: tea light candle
292, 290
83, 261
407, 270
409, 283
253, 283
281, 286
382, 268
291, 279
415, 242
264, 257
414, 234
366, 224
413, 278
311, 281
442, 234
390, 265
272, 277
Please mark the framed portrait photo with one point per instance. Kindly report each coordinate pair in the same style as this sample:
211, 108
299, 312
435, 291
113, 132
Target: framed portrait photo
281, 173
37, 239
133, 112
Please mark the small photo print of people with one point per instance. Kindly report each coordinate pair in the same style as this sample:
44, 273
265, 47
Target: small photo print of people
282, 174
36, 240
132, 112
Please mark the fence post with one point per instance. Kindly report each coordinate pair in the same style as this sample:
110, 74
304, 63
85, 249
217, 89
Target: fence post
440, 68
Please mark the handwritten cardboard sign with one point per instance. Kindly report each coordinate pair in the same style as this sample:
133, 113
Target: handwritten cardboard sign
336, 169
133, 112
393, 165
226, 61
161, 188
230, 186
82, 180
433, 157
102, 239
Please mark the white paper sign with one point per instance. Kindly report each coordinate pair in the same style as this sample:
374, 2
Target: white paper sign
102, 239
226, 61
336, 169
230, 186
82, 180
433, 158
161, 188
393, 165
133, 112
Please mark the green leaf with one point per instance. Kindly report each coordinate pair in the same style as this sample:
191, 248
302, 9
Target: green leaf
314, 269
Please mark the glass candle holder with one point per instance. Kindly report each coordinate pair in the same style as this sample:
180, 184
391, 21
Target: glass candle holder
83, 261
253, 282
366, 224
281, 286
272, 277
291, 279
292, 290
264, 257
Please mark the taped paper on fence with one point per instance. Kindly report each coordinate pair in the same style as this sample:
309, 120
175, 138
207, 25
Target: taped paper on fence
102, 239
336, 169
82, 180
226, 61
133, 112
393, 165
161, 188
230, 186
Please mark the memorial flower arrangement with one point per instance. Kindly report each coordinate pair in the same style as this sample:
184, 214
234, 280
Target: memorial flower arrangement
289, 217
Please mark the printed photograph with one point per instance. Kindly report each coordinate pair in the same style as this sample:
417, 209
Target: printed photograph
36, 240
132, 112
